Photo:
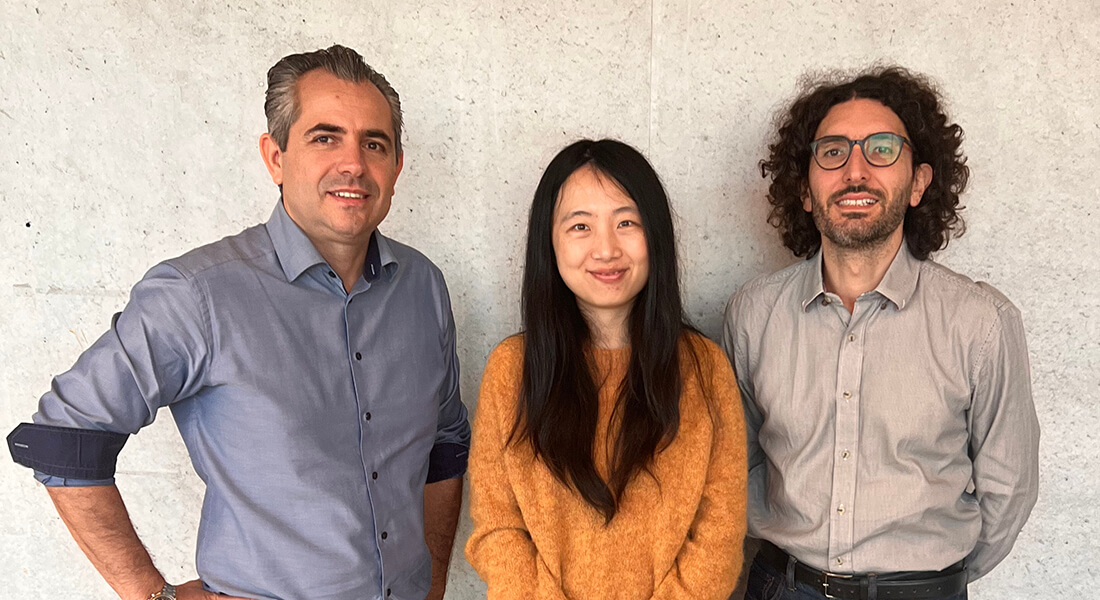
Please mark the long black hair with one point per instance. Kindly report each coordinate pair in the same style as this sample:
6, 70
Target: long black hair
558, 408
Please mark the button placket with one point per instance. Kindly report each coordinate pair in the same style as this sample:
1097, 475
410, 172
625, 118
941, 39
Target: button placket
354, 328
846, 434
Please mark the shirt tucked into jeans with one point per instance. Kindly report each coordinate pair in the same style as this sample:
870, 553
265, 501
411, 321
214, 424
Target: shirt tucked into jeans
900, 437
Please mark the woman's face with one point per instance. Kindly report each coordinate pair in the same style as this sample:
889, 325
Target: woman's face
600, 246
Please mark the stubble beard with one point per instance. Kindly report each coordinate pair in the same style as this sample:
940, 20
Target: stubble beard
861, 233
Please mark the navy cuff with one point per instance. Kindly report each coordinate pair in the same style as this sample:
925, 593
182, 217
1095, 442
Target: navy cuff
65, 451
447, 461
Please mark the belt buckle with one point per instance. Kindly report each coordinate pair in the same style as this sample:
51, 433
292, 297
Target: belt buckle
825, 581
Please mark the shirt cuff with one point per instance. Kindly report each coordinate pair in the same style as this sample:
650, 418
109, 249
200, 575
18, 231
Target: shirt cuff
66, 452
52, 481
447, 461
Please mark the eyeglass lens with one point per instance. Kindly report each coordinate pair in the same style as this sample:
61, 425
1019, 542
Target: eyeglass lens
880, 150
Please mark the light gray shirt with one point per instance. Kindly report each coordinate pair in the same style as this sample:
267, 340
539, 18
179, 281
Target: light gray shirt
900, 437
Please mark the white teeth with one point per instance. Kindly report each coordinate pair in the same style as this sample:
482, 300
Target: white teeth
348, 195
859, 202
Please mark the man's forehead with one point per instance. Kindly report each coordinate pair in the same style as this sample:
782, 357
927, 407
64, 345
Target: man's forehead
323, 97
858, 118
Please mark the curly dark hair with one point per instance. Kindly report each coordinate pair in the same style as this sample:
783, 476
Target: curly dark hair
929, 225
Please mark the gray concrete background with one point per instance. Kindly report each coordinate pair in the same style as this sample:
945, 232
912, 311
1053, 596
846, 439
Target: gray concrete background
128, 135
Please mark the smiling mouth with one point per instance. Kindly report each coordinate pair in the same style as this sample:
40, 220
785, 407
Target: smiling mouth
348, 195
608, 276
858, 202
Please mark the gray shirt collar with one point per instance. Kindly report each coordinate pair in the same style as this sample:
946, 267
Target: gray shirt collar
297, 253
896, 286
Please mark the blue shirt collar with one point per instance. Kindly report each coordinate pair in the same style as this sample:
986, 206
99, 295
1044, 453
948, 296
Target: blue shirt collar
297, 253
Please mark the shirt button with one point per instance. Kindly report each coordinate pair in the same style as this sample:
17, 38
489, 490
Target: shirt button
374, 475
851, 337
825, 302
845, 455
358, 356
882, 306
331, 274
366, 416
388, 591
847, 395
385, 535
840, 561
840, 509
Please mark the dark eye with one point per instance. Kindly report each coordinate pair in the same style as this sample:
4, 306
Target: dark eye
377, 146
323, 139
627, 223
579, 227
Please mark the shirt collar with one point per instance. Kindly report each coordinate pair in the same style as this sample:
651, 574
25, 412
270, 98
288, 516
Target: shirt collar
897, 285
900, 280
813, 282
297, 254
380, 258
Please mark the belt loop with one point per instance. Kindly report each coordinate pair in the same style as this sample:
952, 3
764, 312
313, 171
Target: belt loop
872, 586
791, 561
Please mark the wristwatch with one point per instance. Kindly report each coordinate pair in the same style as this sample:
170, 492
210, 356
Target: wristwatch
168, 592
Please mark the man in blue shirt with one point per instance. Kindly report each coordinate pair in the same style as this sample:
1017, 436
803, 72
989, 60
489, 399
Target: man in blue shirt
309, 364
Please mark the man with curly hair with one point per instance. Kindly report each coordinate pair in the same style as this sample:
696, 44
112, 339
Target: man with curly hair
893, 442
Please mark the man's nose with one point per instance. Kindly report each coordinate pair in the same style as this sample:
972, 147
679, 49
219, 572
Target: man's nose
857, 167
352, 160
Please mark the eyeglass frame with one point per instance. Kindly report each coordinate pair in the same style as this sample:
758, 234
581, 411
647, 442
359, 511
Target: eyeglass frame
814, 144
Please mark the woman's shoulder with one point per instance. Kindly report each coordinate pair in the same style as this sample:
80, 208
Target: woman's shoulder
509, 349
506, 359
701, 348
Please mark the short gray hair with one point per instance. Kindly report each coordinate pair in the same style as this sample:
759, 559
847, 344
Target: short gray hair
281, 104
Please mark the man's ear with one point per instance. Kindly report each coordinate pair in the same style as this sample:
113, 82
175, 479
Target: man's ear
922, 177
273, 157
807, 199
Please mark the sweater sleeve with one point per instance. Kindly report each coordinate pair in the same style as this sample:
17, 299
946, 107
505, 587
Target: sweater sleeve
500, 547
709, 562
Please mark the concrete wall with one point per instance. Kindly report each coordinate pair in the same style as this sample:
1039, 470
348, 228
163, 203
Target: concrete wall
128, 135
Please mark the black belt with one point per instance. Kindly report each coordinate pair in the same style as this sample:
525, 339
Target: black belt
911, 585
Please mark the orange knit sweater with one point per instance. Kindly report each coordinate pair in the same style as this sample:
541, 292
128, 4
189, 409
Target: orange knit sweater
535, 538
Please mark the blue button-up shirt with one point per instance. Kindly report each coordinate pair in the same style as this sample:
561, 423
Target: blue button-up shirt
314, 416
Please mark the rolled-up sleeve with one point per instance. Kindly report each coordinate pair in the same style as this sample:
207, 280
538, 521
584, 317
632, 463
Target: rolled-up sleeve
1004, 441
452, 439
154, 354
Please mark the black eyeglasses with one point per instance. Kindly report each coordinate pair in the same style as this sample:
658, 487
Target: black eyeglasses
880, 149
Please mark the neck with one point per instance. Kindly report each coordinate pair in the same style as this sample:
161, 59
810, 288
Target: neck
850, 273
609, 328
346, 260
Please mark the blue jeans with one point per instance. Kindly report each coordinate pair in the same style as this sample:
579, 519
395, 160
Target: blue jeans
765, 583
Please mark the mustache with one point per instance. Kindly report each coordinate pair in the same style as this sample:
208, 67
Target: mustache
858, 189
364, 184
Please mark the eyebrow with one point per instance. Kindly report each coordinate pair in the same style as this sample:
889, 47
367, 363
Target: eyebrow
585, 213
330, 128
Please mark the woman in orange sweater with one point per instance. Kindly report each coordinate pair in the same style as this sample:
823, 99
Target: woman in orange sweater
608, 458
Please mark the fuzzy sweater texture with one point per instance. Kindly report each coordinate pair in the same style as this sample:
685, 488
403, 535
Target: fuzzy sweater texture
677, 535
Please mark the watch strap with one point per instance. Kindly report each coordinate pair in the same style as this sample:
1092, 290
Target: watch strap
168, 592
